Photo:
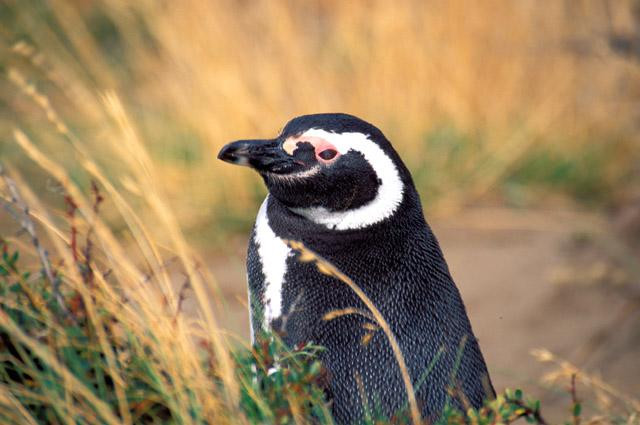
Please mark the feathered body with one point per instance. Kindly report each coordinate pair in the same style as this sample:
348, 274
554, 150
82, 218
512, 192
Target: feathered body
362, 213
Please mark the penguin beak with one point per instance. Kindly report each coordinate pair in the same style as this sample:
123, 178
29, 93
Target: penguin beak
261, 155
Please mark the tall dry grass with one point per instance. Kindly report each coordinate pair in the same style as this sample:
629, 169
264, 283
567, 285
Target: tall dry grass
129, 282
509, 78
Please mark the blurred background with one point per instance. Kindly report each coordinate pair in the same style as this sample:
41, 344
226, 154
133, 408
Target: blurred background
520, 121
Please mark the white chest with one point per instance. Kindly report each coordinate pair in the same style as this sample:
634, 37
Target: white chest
273, 253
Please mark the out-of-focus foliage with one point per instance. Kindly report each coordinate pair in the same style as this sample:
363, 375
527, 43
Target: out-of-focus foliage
514, 100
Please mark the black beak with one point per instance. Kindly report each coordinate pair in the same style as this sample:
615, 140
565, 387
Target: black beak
261, 155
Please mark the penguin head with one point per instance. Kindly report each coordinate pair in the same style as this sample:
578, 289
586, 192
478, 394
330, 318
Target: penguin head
334, 169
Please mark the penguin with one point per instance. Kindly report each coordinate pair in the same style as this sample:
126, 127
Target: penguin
337, 185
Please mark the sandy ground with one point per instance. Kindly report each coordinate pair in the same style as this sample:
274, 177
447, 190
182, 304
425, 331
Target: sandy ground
530, 279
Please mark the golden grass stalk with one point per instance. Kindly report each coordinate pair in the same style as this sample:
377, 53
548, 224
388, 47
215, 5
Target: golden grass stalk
20, 413
567, 370
306, 255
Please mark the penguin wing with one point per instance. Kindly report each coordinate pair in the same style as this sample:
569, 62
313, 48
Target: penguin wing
256, 285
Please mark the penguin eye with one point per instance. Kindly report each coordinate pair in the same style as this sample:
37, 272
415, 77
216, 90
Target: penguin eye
328, 154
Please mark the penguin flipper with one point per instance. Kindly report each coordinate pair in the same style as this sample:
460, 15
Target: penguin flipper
255, 287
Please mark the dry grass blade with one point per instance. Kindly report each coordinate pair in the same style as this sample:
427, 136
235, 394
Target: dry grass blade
334, 314
327, 268
567, 370
21, 414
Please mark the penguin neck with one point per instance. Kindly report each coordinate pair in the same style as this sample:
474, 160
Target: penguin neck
287, 224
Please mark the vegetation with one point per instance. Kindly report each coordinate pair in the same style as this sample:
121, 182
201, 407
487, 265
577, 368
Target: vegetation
110, 118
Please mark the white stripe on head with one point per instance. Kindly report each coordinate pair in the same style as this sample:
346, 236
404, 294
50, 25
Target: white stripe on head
273, 253
389, 194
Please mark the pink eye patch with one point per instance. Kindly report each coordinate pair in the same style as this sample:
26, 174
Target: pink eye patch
325, 152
